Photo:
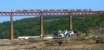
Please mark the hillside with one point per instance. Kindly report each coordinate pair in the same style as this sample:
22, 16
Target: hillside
31, 26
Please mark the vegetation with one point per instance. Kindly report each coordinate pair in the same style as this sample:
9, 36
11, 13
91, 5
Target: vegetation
31, 26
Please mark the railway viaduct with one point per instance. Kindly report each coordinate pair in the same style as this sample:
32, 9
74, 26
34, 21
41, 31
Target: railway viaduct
47, 12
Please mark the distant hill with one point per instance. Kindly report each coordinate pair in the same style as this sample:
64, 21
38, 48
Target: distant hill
31, 26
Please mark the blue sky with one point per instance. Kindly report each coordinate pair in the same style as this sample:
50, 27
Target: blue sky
49, 4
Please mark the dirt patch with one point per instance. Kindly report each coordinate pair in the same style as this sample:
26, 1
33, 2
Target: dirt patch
25, 44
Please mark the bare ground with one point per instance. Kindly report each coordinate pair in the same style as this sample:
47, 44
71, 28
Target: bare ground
6, 44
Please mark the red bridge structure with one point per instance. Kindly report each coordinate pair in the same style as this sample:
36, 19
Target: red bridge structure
47, 12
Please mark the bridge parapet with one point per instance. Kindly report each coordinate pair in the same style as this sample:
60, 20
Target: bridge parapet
51, 13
